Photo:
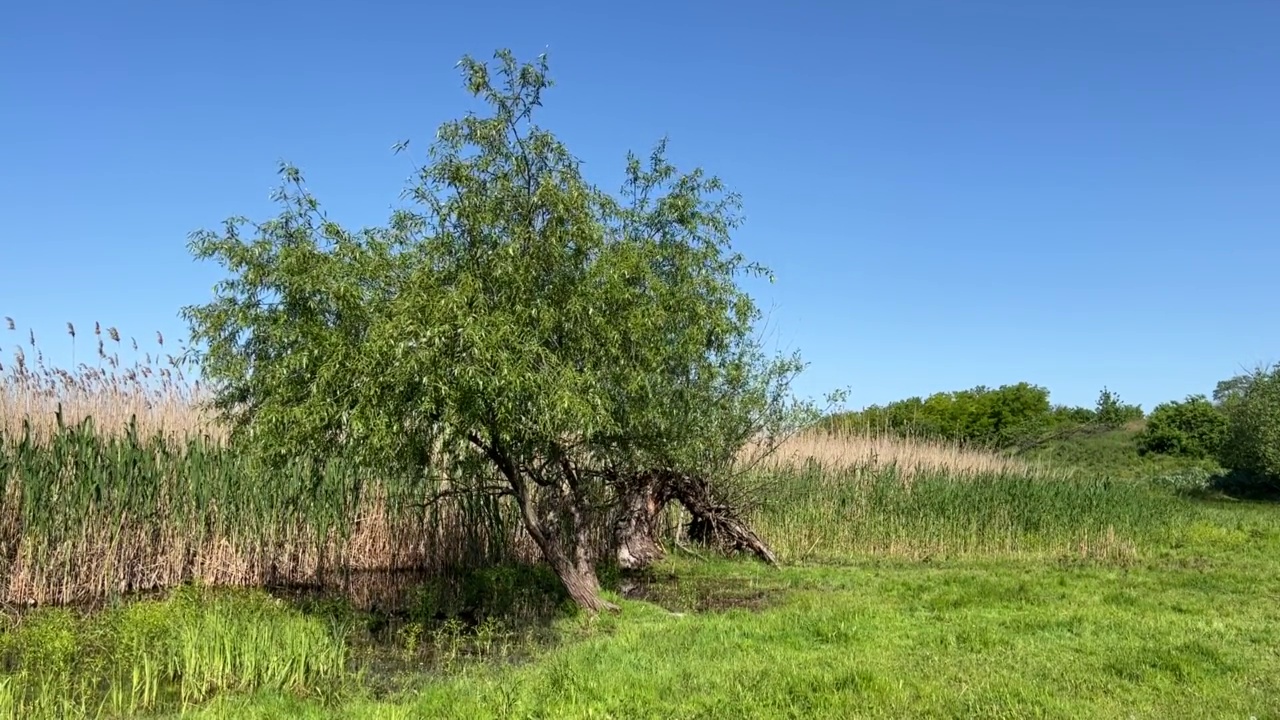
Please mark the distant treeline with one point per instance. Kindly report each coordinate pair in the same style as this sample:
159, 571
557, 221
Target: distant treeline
1004, 417
1238, 427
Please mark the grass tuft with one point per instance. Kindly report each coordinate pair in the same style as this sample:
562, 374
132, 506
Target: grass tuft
170, 653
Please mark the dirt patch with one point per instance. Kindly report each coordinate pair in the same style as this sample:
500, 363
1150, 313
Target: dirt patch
700, 595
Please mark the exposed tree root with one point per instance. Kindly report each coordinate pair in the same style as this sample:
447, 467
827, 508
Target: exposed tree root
714, 523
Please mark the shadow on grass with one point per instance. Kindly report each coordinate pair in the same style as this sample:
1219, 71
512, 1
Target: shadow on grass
1200, 483
412, 627
698, 594
402, 626
378, 635
1244, 486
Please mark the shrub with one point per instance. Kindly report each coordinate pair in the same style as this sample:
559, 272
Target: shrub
1193, 428
1251, 441
1191, 481
979, 416
1111, 413
1068, 416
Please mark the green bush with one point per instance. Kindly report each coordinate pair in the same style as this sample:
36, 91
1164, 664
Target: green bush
1068, 416
980, 415
1193, 428
1251, 442
1111, 413
1004, 417
1190, 481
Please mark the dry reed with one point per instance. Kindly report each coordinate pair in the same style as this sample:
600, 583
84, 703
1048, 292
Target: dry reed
151, 388
838, 451
164, 400
110, 541
98, 547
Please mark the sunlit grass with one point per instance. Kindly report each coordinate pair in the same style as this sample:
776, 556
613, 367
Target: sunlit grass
1188, 634
157, 653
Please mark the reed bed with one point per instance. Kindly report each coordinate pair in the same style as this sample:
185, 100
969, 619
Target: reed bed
87, 516
839, 451
835, 515
114, 479
151, 390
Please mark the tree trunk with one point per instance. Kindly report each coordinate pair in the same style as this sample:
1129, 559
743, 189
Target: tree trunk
642, 498
635, 529
557, 516
562, 533
578, 576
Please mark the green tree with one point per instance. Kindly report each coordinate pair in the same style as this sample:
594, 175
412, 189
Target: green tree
1015, 411
1192, 428
1252, 438
1227, 390
1111, 413
515, 331
979, 415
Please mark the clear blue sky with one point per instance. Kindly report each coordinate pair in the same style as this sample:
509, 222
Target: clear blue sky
1072, 193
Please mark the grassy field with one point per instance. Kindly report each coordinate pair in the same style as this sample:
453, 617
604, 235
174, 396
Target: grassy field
1113, 453
1180, 635
918, 580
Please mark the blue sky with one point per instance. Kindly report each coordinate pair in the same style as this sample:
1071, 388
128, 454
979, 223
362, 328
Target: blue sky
1076, 193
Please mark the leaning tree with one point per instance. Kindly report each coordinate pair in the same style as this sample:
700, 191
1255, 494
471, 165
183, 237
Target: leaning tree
513, 330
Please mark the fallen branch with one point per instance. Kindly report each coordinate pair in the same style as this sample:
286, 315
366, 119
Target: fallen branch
685, 548
490, 490
713, 523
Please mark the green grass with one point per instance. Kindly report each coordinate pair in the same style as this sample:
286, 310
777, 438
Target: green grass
1191, 631
177, 651
834, 517
1111, 453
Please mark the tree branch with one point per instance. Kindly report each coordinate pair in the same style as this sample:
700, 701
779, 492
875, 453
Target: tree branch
490, 490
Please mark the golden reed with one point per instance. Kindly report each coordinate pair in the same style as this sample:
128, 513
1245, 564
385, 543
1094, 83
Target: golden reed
108, 552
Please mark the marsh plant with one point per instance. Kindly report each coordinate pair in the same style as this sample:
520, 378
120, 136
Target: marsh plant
116, 479
156, 497
167, 653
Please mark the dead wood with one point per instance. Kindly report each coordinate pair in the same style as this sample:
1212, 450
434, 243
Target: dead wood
714, 523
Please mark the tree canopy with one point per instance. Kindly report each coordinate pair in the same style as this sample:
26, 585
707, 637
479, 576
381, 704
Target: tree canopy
1251, 442
513, 328
1192, 427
